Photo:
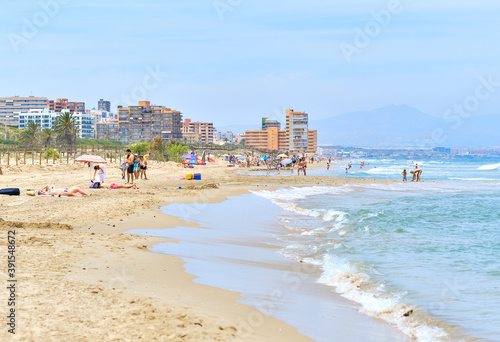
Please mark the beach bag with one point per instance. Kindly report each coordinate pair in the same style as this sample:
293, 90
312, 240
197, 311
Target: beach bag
189, 176
95, 185
10, 191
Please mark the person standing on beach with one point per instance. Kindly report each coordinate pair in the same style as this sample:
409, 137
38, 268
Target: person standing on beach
130, 167
404, 175
304, 166
328, 166
418, 172
123, 168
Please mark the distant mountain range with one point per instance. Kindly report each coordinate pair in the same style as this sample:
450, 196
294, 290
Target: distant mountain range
399, 126
404, 126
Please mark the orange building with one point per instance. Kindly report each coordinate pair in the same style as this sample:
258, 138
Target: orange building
272, 139
146, 121
296, 138
201, 132
64, 105
312, 141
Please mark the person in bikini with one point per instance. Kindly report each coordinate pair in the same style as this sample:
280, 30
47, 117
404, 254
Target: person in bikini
51, 190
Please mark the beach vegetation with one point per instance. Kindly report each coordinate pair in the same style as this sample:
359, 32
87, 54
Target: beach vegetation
98, 142
50, 153
47, 136
66, 128
30, 134
140, 148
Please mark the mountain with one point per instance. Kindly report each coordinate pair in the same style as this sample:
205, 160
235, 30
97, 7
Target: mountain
404, 126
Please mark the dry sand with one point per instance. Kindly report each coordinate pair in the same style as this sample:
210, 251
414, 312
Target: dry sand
80, 278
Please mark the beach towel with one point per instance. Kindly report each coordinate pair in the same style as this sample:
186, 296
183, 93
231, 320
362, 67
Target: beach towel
10, 191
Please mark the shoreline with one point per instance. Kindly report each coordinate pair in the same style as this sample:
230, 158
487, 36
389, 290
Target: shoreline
87, 256
260, 265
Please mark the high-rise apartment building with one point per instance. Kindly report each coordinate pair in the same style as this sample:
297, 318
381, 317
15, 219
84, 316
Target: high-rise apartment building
200, 132
145, 122
10, 107
107, 131
104, 105
63, 105
296, 138
271, 139
297, 131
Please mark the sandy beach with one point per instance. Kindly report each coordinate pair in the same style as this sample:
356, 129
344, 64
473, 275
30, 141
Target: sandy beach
81, 278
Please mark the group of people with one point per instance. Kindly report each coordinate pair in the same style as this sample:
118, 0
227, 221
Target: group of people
134, 166
415, 173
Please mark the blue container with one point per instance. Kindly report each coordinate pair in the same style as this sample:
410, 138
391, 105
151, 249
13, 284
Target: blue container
197, 176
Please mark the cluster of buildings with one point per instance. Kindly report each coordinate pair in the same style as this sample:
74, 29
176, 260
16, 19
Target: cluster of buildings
146, 121
295, 138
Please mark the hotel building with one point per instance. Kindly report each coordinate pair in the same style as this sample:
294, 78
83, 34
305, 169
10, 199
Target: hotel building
10, 107
145, 122
200, 132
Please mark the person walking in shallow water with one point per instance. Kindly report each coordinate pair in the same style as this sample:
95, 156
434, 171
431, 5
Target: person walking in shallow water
404, 175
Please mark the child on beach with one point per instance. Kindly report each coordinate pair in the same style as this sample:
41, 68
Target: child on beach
123, 168
143, 166
327, 166
404, 175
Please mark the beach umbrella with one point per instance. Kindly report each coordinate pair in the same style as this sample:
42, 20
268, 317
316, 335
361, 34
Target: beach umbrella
90, 158
242, 157
282, 155
188, 156
286, 161
194, 161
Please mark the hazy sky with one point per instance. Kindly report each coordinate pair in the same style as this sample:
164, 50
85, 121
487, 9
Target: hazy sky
234, 61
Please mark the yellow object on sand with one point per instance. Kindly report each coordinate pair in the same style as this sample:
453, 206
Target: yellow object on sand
189, 176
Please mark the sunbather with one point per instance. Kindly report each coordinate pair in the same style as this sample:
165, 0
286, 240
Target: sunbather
118, 186
51, 190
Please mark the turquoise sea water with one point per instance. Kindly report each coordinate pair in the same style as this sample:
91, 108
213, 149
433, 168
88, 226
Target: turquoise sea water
423, 257
428, 247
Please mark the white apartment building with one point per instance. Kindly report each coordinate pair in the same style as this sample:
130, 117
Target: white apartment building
10, 107
101, 116
227, 137
46, 119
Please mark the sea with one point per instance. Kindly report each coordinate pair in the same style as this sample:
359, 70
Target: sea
421, 257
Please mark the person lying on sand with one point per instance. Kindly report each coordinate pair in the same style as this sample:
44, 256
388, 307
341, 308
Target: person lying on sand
51, 190
98, 185
118, 186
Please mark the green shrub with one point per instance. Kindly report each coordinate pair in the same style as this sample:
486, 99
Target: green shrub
50, 154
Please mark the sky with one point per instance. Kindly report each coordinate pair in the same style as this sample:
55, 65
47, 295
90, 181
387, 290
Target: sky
235, 61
